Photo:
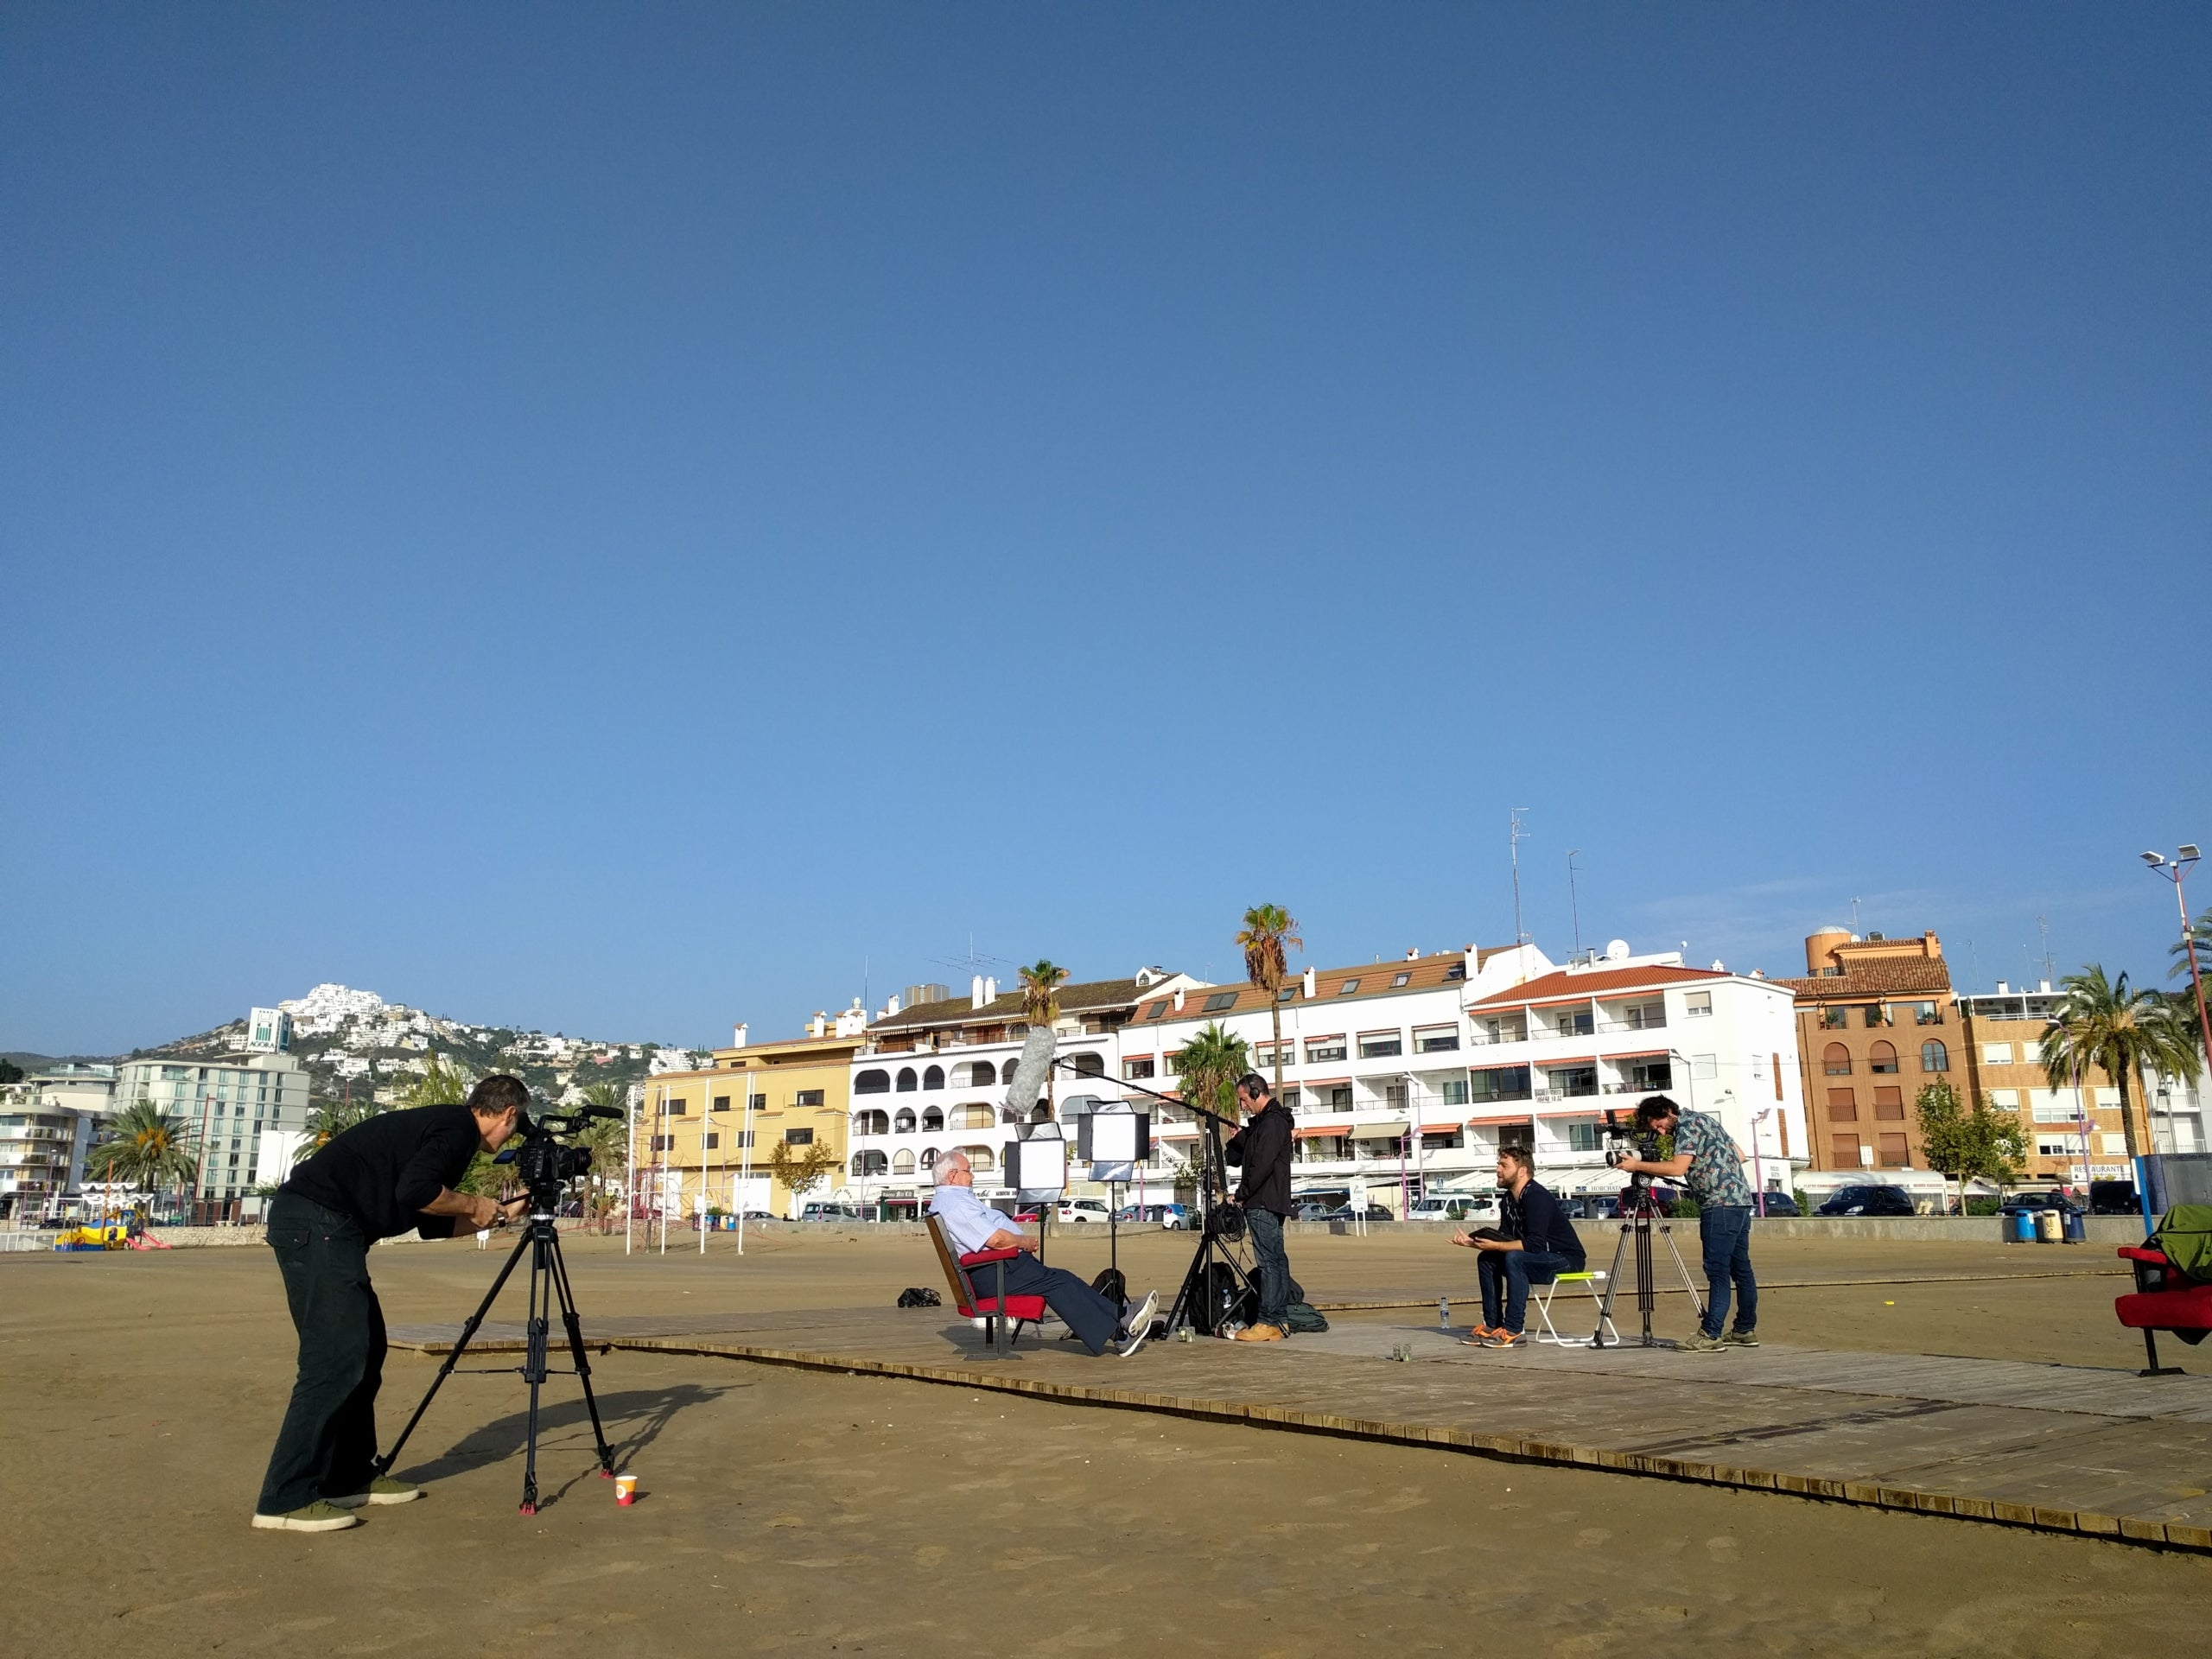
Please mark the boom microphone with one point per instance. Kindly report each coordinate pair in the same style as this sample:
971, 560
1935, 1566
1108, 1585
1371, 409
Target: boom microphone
1029, 1072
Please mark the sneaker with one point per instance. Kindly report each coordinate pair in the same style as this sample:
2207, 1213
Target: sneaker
382, 1490
1259, 1333
1698, 1342
1137, 1321
1478, 1334
1504, 1339
1740, 1339
317, 1516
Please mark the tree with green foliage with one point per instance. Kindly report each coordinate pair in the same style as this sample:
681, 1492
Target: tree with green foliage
327, 1120
1980, 1144
1270, 933
1208, 1065
1041, 1005
799, 1170
143, 1145
608, 1140
10, 1073
2114, 1025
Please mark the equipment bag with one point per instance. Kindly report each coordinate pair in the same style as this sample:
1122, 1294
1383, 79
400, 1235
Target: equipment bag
2185, 1236
1304, 1319
917, 1296
1113, 1286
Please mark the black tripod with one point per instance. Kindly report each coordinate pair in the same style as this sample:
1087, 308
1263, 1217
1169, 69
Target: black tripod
548, 1287
1639, 1211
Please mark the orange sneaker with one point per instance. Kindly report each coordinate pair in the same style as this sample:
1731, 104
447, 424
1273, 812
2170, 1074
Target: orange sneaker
1478, 1334
1505, 1339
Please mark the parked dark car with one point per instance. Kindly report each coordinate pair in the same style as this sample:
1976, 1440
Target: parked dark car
1868, 1201
1351, 1212
1781, 1204
2113, 1198
2057, 1201
1606, 1206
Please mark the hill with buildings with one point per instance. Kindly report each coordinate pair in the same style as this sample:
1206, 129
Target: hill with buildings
355, 1042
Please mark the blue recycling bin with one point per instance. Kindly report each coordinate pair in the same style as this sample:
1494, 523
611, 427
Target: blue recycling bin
2023, 1226
2077, 1228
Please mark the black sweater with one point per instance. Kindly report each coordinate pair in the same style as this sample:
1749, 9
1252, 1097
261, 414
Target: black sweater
1262, 1148
382, 1171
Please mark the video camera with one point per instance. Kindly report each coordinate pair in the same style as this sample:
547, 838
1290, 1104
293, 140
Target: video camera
1622, 1143
543, 1163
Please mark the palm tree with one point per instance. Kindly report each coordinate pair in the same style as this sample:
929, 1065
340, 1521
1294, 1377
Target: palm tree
1270, 929
329, 1121
442, 1083
2113, 1024
1041, 1005
606, 1139
145, 1147
1208, 1065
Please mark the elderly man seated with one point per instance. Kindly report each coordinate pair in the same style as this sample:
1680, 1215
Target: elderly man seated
970, 1224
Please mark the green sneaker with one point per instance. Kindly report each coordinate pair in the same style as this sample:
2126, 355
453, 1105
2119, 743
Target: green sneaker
382, 1490
1698, 1342
1740, 1339
317, 1516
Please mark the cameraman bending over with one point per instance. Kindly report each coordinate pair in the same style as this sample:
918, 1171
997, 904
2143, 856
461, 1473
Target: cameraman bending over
1534, 1242
379, 1179
1704, 1153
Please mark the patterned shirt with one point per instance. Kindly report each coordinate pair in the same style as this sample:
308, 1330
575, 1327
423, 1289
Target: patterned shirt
1716, 1171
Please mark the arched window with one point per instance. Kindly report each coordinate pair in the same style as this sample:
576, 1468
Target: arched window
872, 1083
902, 1163
1040, 1113
933, 1120
980, 1160
933, 1077
981, 1075
871, 1163
973, 1117
1089, 1065
877, 1123
907, 1081
929, 1157
902, 1121
1934, 1057
1882, 1057
1835, 1060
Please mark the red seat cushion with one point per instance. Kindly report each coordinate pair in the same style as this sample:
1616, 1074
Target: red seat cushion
1017, 1308
2189, 1308
2139, 1253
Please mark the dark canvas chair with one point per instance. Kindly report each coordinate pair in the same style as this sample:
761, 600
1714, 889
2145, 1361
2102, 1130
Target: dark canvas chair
986, 1300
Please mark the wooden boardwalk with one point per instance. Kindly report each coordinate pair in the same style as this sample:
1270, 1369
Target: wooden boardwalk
2061, 1448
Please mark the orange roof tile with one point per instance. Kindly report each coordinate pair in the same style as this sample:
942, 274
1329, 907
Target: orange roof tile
1875, 977
1563, 987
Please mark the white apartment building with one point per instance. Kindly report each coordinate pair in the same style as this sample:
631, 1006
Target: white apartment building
1405, 1077
247, 1113
47, 1124
930, 1078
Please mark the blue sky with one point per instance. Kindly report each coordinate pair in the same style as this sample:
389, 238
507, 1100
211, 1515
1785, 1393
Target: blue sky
625, 518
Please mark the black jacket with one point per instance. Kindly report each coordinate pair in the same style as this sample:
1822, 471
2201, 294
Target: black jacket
1262, 1148
384, 1171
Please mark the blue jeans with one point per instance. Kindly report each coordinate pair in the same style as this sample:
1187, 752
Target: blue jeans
1505, 1276
1725, 1233
1266, 1230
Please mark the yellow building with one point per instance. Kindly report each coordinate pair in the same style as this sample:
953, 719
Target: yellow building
711, 1133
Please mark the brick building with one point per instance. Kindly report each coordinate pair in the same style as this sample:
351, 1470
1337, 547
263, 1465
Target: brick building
1875, 1024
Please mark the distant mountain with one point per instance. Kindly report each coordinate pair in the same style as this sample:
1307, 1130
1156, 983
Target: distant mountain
355, 1042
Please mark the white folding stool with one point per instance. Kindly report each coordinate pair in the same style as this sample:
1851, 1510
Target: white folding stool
1540, 1297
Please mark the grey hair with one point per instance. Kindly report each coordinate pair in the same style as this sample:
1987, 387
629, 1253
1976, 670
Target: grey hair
951, 1156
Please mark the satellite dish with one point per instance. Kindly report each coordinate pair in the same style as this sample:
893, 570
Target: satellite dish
1617, 951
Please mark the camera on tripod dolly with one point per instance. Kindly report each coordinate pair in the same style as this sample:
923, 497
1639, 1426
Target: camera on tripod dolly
1622, 1142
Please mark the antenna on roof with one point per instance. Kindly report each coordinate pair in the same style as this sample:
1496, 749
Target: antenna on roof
2043, 926
1514, 848
1573, 903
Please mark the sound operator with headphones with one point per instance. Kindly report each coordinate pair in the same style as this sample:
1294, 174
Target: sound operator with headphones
1261, 1148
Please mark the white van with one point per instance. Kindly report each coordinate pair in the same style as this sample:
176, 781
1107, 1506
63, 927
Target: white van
1477, 1207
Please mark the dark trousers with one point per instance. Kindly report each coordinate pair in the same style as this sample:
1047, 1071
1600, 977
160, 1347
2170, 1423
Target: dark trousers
1273, 1265
1505, 1276
329, 1438
1094, 1320
1725, 1233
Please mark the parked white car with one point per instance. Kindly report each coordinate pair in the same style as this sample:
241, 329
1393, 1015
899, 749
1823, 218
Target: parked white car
1084, 1210
1477, 1207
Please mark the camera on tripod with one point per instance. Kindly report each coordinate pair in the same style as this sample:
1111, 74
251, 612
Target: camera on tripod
1622, 1144
544, 1164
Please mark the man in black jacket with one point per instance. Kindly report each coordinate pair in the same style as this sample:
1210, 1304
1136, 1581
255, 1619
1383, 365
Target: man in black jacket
1262, 1148
394, 1172
1534, 1242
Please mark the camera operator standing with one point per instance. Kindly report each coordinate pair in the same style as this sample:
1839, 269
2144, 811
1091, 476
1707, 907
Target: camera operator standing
377, 1179
1262, 1148
1692, 1147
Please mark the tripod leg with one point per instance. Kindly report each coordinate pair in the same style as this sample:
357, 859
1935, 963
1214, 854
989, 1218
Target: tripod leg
1185, 1296
453, 1358
575, 1326
1697, 1297
533, 1367
1613, 1285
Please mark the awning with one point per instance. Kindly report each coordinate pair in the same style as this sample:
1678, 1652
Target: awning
1521, 1116
1315, 1135
1580, 1059
1642, 1054
1368, 1131
1440, 1128
1322, 1082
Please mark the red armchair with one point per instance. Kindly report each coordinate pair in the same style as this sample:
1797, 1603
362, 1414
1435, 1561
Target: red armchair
2163, 1299
977, 1281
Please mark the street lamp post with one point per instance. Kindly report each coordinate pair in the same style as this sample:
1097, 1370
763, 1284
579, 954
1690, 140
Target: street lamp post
2175, 870
1759, 1176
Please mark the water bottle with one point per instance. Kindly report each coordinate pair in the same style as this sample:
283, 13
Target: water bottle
1444, 1313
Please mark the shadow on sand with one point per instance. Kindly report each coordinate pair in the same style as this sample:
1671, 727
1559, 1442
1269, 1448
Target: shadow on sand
633, 1419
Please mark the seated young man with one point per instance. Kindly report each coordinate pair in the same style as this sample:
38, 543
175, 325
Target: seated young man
970, 1224
1532, 1243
